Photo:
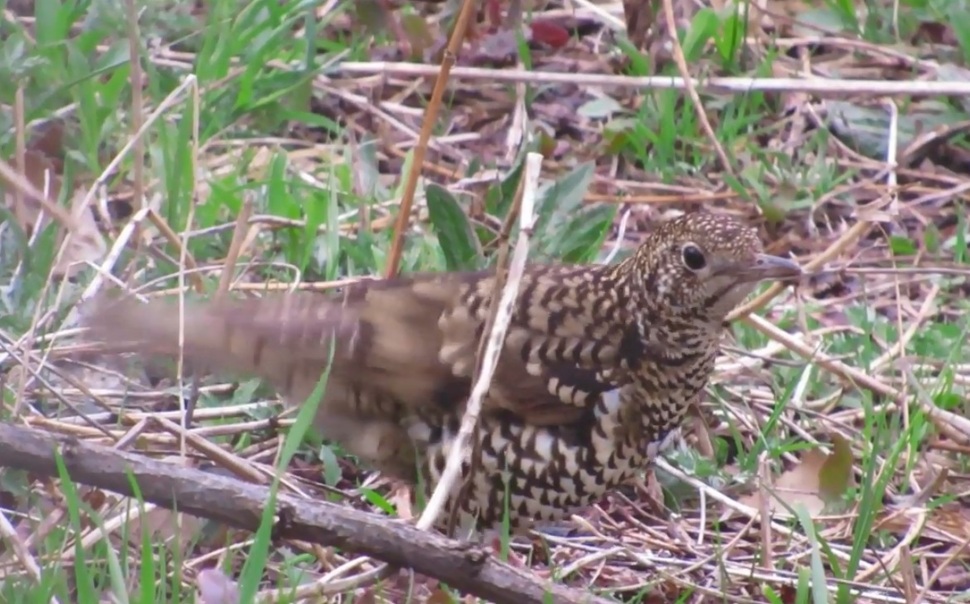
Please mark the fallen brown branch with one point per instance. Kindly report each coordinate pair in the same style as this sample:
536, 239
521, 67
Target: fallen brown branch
464, 566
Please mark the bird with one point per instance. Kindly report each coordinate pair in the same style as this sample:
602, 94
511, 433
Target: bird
598, 367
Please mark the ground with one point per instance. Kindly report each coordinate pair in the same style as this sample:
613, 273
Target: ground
271, 143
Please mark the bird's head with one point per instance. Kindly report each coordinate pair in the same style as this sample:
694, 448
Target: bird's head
703, 265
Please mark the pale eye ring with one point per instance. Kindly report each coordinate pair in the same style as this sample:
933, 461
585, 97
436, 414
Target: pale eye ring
693, 257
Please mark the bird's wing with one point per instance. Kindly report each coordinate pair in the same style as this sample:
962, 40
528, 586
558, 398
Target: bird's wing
409, 341
562, 348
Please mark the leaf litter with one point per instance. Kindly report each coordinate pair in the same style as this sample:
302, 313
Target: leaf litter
658, 538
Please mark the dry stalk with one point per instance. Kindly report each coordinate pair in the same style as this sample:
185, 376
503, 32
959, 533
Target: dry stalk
114, 253
533, 165
20, 150
135, 78
21, 186
176, 242
218, 455
689, 87
190, 83
20, 551
501, 275
328, 585
938, 572
427, 123
818, 86
235, 249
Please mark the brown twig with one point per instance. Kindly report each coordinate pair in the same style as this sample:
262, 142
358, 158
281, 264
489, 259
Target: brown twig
235, 249
135, 77
31, 195
689, 87
428, 122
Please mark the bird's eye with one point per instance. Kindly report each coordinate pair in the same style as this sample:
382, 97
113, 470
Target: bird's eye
693, 257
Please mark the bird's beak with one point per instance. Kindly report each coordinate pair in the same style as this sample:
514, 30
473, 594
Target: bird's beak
766, 266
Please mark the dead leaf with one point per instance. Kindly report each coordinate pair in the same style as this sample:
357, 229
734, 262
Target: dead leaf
439, 596
654, 491
817, 480
835, 475
400, 498
497, 48
934, 32
788, 594
549, 33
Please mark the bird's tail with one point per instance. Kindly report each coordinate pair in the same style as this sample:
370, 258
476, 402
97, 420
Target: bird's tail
275, 338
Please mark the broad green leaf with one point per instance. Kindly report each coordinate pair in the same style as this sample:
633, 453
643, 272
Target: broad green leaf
703, 27
498, 199
902, 246
579, 241
559, 200
566, 229
331, 467
378, 500
819, 21
455, 234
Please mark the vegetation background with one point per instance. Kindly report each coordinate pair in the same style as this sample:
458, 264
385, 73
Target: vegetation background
259, 144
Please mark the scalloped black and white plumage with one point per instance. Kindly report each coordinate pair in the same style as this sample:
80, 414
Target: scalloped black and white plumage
599, 365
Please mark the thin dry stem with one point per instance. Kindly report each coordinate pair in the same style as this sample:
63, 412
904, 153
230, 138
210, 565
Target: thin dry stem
681, 61
19, 549
20, 184
235, 249
533, 166
104, 270
136, 78
818, 86
427, 124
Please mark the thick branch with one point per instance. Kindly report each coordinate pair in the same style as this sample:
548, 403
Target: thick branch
463, 566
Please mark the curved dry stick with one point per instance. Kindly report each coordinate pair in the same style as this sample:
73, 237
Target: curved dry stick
461, 565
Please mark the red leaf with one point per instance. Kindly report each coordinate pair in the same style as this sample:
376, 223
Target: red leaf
549, 33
